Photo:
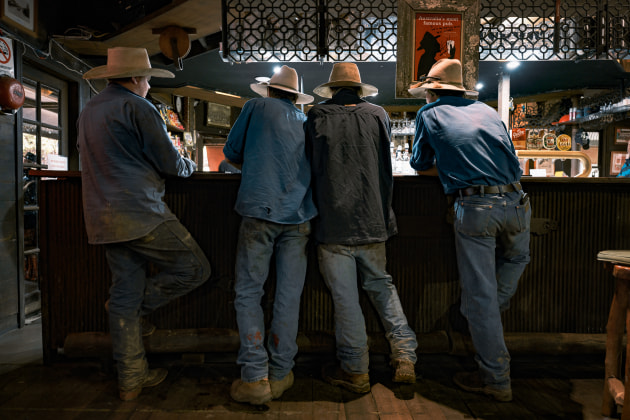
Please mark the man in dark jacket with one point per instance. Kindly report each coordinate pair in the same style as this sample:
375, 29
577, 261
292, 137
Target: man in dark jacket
349, 140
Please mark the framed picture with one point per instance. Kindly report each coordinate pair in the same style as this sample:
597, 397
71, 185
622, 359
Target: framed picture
428, 32
617, 159
219, 115
622, 135
20, 13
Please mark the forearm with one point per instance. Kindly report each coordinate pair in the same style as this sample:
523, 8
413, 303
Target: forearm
429, 172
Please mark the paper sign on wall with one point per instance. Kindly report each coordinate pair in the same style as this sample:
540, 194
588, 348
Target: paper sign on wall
6, 57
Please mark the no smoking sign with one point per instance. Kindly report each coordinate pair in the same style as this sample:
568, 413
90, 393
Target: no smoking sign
6, 56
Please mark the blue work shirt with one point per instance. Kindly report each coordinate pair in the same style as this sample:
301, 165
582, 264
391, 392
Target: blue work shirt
467, 141
125, 153
268, 140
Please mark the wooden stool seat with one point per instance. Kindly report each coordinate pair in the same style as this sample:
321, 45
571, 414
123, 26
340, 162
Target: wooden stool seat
617, 388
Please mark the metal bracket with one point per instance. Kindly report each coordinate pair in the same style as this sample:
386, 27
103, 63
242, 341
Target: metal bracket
539, 226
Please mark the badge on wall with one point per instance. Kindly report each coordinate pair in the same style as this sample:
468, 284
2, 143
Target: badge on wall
549, 141
563, 142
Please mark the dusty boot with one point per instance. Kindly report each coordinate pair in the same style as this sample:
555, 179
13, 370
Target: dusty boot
256, 393
404, 371
335, 375
471, 382
278, 387
154, 377
147, 327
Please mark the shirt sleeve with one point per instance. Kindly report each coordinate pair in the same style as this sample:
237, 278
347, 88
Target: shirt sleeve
423, 155
235, 144
158, 147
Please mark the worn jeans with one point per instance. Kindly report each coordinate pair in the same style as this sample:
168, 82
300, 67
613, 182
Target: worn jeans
338, 265
492, 246
182, 266
257, 242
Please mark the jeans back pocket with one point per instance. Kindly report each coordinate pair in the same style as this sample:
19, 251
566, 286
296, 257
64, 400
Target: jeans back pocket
472, 218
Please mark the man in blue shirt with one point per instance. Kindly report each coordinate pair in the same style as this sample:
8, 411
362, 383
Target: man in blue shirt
125, 153
467, 145
276, 204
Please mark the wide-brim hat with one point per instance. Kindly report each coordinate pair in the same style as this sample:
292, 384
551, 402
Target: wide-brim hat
284, 79
126, 62
445, 74
345, 75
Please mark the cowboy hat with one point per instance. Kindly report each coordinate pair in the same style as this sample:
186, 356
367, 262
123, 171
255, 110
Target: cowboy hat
445, 74
285, 79
343, 75
126, 62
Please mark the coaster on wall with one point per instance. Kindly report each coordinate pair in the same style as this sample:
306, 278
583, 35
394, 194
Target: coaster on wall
549, 141
563, 142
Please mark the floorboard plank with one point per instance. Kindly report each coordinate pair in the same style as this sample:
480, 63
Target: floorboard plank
388, 405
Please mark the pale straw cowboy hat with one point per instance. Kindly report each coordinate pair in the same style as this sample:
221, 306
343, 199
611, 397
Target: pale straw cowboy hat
445, 74
343, 75
126, 62
285, 79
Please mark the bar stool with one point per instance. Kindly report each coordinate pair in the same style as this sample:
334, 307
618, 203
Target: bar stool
616, 391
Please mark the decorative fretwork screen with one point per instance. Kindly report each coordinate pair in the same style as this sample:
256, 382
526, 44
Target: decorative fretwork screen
309, 30
554, 29
358, 30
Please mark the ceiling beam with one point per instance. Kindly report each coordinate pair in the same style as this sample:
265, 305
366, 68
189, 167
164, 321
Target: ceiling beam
202, 15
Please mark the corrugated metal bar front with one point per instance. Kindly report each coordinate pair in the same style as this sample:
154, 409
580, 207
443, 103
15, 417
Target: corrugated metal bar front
564, 288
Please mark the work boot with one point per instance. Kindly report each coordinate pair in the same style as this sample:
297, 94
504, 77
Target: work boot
147, 327
154, 377
278, 387
256, 393
404, 371
471, 382
335, 375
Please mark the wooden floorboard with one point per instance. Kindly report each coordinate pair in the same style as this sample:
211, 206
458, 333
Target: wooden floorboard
543, 388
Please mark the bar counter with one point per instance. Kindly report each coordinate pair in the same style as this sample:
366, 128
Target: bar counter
561, 305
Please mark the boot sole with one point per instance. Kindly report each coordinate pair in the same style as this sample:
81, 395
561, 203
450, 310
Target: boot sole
363, 389
498, 395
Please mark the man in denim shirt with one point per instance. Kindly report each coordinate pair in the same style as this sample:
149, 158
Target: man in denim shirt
125, 153
276, 203
467, 145
349, 140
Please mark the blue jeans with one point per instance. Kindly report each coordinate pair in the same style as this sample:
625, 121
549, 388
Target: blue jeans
338, 265
182, 267
492, 246
257, 241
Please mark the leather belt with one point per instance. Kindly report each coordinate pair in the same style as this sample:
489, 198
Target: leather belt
490, 189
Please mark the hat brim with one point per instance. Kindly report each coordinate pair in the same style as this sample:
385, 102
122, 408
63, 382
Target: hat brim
102, 72
261, 89
419, 91
325, 90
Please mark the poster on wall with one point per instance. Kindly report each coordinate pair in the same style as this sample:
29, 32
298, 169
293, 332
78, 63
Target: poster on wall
436, 36
622, 135
617, 159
